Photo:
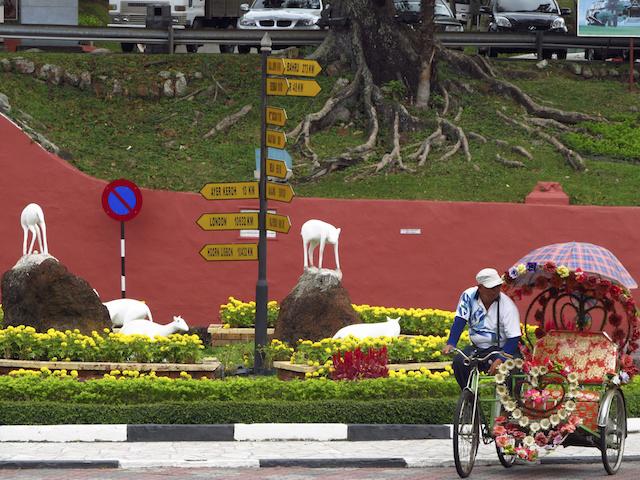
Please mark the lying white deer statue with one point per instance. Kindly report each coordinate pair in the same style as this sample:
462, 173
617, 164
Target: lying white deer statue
390, 328
150, 329
123, 310
32, 220
317, 232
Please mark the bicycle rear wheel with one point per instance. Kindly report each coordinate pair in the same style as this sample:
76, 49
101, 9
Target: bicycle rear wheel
466, 434
614, 433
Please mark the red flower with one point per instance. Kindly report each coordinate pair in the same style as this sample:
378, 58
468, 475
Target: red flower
502, 441
626, 360
619, 336
499, 430
615, 290
541, 439
500, 420
615, 319
550, 266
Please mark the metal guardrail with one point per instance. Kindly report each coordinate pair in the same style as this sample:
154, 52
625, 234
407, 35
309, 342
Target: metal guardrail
535, 40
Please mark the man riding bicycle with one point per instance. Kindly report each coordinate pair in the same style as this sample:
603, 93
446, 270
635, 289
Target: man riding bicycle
494, 324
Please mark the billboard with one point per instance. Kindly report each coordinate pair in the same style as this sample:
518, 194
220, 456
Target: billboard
609, 18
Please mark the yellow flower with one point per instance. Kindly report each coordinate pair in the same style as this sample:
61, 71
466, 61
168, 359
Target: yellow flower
562, 271
521, 268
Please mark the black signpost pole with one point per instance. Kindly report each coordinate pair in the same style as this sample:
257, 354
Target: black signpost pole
261, 285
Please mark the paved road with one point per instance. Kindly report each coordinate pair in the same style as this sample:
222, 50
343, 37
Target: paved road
628, 471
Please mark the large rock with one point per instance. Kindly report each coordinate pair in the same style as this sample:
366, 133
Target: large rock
41, 292
317, 307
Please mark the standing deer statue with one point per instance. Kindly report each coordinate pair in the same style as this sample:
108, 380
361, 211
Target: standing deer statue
32, 220
317, 232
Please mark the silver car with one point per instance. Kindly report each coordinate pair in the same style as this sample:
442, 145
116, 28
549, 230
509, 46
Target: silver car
279, 15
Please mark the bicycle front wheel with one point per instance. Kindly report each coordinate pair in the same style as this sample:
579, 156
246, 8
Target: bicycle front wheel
466, 434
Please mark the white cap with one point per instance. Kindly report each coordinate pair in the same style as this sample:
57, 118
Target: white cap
488, 277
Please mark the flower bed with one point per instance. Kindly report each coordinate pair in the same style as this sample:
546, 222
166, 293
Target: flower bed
414, 321
24, 343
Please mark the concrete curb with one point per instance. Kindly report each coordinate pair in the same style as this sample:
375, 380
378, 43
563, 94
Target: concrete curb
221, 433
58, 464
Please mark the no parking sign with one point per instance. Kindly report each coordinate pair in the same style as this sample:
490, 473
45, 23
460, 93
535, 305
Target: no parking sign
122, 201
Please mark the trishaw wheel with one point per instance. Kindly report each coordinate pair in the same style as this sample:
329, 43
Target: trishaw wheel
466, 434
613, 434
507, 461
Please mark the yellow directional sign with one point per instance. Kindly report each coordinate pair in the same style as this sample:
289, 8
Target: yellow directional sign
278, 223
230, 251
228, 221
277, 86
292, 87
303, 88
281, 192
230, 191
276, 116
290, 66
276, 139
276, 168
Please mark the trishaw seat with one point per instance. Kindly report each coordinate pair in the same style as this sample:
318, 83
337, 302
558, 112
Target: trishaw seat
591, 355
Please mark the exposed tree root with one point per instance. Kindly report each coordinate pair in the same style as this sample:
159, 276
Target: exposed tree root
394, 157
477, 137
549, 122
573, 158
509, 163
425, 148
445, 96
227, 122
453, 131
466, 63
522, 151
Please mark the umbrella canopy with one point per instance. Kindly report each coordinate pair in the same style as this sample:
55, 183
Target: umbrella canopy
587, 256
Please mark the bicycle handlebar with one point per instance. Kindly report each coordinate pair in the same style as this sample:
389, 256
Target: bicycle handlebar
468, 359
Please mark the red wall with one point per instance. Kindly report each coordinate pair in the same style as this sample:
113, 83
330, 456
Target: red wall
380, 266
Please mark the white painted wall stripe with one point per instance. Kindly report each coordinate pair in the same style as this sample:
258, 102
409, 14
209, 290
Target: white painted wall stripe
290, 431
122, 283
122, 247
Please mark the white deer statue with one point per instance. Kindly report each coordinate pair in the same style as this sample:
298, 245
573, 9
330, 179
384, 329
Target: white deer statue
317, 232
32, 220
123, 310
150, 329
390, 328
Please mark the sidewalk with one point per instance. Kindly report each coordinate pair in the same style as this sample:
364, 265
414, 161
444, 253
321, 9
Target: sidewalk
255, 454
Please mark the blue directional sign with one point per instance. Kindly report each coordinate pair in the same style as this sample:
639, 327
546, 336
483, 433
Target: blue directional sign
275, 154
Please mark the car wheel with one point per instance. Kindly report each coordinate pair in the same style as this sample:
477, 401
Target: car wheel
491, 52
547, 54
244, 49
562, 54
127, 47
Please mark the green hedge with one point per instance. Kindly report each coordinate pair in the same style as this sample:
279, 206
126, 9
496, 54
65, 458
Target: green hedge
414, 411
149, 390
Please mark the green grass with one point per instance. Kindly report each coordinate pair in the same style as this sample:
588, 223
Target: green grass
159, 144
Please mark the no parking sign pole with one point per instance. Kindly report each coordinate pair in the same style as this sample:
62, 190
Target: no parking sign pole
122, 201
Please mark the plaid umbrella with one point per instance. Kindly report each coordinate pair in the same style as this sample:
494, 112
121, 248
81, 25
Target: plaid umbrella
587, 256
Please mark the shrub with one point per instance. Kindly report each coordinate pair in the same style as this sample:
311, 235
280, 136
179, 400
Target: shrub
24, 343
134, 388
400, 411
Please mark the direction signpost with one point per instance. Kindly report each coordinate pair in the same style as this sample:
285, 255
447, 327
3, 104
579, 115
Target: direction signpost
271, 161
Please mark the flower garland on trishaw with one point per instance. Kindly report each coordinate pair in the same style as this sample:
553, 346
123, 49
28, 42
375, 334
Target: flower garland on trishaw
543, 413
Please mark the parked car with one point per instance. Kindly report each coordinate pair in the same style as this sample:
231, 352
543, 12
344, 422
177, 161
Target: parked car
279, 15
408, 11
526, 16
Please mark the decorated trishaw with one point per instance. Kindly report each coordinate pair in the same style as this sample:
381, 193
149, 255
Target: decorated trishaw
579, 330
